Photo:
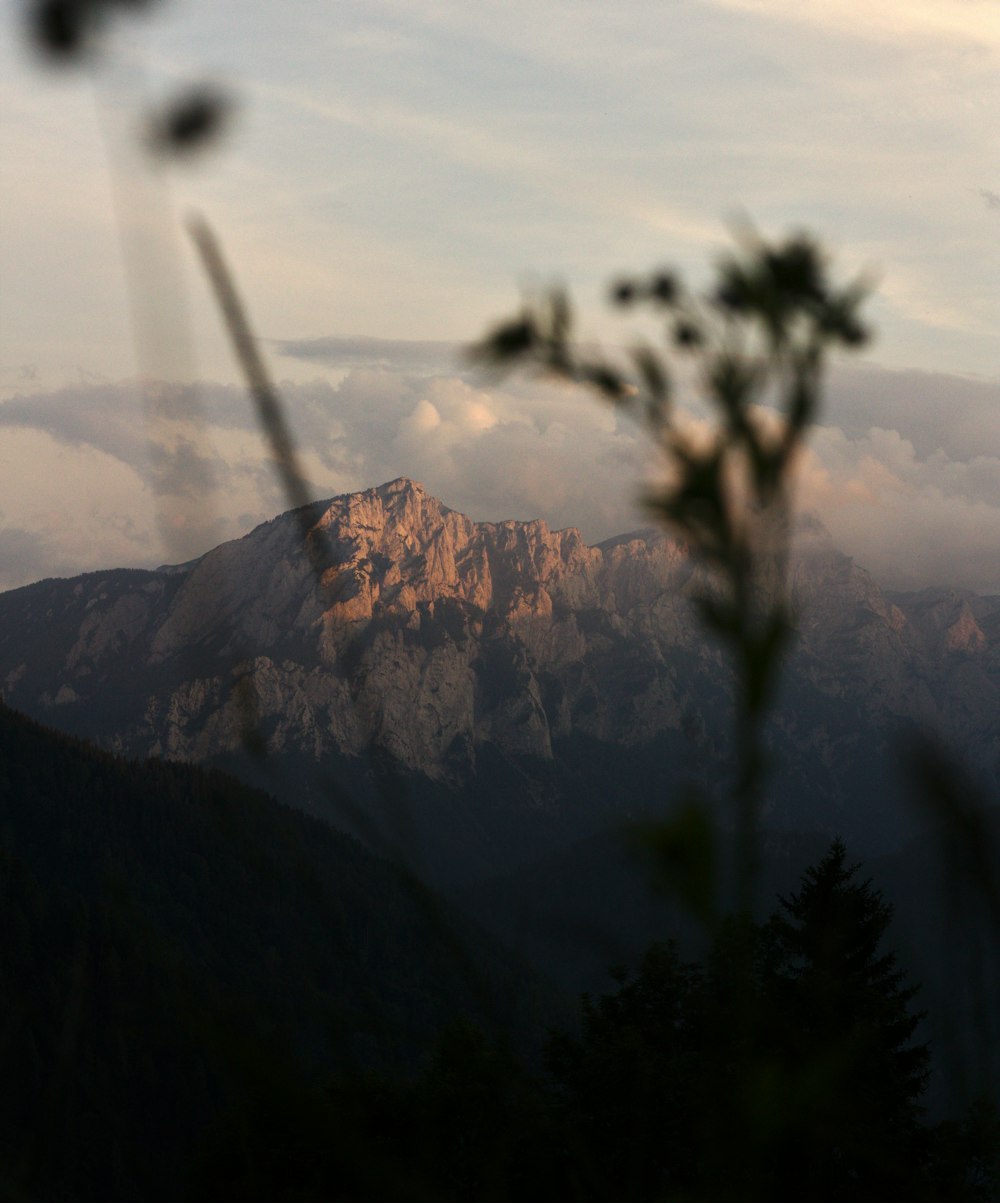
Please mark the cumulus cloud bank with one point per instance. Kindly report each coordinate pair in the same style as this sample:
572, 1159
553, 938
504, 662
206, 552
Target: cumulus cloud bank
202, 469
904, 469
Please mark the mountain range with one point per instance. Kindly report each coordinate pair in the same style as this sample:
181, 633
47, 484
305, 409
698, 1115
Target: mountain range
489, 704
478, 693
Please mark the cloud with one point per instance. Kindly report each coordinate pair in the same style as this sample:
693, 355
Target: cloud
934, 410
975, 22
102, 479
522, 451
912, 519
108, 417
400, 354
27, 556
904, 468
67, 510
991, 198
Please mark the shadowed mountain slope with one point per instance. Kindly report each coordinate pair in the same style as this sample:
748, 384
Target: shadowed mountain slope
174, 943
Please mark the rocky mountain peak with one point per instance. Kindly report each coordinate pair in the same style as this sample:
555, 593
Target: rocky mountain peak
432, 636
946, 620
396, 548
406, 500
402, 485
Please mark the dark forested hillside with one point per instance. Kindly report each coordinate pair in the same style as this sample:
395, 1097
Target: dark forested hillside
206, 995
174, 944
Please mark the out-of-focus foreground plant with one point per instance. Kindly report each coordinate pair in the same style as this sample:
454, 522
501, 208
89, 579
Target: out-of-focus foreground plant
756, 346
758, 343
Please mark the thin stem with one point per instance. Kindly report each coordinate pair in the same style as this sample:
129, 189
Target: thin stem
269, 409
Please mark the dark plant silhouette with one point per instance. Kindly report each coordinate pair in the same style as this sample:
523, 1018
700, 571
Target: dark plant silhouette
758, 343
800, 1032
71, 32
786, 1066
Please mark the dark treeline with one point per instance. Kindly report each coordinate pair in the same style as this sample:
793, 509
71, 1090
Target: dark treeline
206, 995
785, 1066
174, 945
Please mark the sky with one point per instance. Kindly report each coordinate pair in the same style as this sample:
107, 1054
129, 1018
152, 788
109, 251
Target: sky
396, 172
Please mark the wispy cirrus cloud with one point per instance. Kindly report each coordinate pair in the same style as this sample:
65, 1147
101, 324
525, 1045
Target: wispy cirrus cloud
971, 21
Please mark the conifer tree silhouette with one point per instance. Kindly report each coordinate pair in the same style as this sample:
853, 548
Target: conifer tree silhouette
845, 1032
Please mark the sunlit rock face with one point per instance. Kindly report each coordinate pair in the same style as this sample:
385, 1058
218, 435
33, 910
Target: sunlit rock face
426, 634
416, 632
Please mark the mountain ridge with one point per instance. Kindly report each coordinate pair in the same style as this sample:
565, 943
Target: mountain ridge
438, 645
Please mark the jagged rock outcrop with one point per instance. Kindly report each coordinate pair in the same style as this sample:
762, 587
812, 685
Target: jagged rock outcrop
427, 635
430, 637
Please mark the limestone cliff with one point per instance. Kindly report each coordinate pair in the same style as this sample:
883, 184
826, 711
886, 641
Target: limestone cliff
431, 638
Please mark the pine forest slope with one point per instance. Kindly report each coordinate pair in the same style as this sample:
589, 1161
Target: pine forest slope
174, 943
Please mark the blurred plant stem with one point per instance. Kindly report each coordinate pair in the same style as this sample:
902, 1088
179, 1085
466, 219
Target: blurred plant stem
758, 343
